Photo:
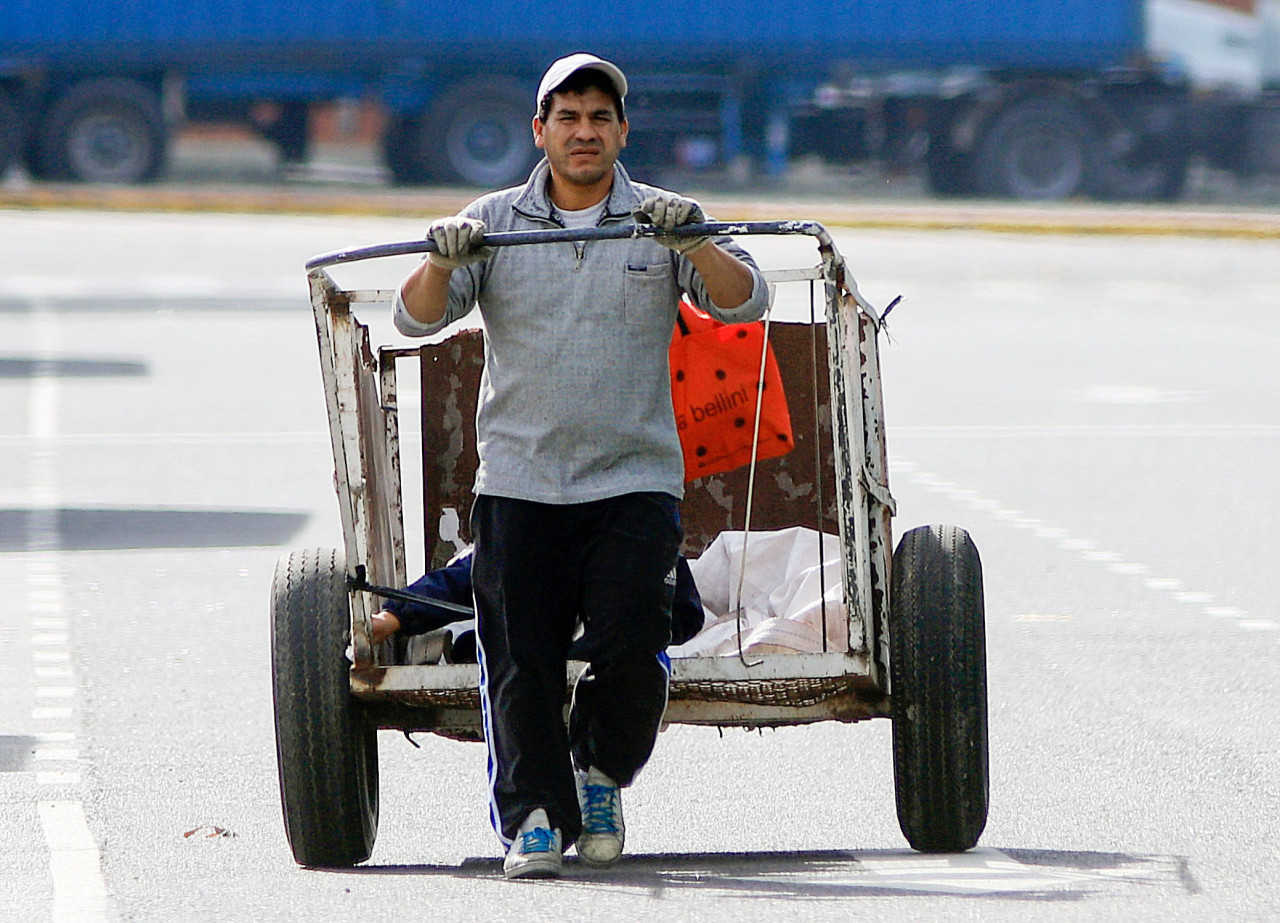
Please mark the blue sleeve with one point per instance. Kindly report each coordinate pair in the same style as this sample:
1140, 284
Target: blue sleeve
451, 584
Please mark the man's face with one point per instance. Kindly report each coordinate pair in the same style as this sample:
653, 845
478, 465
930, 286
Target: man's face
581, 136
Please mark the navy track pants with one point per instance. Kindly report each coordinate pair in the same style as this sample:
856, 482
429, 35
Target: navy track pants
538, 571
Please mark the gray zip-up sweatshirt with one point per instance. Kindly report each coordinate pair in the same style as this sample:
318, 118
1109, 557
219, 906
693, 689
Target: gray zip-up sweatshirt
575, 399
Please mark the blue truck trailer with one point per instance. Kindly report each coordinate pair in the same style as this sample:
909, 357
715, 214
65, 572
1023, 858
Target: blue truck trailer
1043, 99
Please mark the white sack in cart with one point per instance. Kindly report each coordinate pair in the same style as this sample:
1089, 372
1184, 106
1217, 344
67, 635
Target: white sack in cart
782, 595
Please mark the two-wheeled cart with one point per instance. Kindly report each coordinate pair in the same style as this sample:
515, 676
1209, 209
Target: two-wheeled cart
916, 651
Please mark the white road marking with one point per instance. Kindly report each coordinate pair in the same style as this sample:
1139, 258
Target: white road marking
982, 871
1207, 430
79, 891
132, 288
979, 871
1128, 568
166, 439
54, 673
51, 713
1088, 549
55, 737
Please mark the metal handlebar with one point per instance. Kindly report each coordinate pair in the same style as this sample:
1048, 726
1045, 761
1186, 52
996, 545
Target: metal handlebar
562, 235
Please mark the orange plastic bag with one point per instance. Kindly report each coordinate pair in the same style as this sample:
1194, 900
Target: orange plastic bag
715, 369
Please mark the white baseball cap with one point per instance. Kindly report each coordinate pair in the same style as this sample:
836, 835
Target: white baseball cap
561, 70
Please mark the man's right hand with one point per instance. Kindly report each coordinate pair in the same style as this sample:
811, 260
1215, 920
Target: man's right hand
457, 241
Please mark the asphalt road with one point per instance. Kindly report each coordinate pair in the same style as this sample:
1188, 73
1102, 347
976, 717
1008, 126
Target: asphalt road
1099, 411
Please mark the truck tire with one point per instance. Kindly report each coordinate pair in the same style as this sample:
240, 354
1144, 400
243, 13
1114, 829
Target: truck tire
938, 677
948, 172
402, 152
479, 133
10, 132
1149, 179
326, 750
110, 130
1038, 149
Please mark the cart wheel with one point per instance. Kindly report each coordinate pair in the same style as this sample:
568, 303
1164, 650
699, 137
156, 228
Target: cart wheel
327, 751
939, 689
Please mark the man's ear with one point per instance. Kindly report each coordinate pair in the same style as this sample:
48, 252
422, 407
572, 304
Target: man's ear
625, 128
537, 133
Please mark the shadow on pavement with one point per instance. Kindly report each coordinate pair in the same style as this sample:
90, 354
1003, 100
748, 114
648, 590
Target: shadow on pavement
16, 752
1012, 874
11, 367
115, 529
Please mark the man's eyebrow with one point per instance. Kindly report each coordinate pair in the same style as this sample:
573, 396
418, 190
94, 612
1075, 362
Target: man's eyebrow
570, 109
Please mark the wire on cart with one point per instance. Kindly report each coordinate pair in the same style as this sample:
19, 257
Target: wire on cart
751, 481
817, 462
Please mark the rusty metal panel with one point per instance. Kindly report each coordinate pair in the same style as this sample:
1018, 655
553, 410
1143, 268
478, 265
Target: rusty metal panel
325, 300
881, 507
393, 496
450, 386
834, 481
378, 476
796, 489
363, 474
847, 410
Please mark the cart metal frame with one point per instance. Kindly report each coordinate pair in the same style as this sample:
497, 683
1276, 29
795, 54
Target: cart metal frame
770, 690
915, 614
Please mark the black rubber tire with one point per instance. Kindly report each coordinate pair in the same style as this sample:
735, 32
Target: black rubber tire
402, 152
110, 130
479, 133
948, 173
1037, 149
326, 751
10, 132
1145, 179
938, 677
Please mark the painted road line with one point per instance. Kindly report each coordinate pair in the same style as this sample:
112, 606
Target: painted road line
976, 873
1087, 549
79, 890
52, 713
75, 866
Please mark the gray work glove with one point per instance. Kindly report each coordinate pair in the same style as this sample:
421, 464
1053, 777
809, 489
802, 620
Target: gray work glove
667, 210
456, 240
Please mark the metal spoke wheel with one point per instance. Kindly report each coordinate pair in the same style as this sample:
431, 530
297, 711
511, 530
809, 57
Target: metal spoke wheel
938, 677
327, 752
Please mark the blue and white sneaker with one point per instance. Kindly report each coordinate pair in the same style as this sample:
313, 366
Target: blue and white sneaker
536, 851
600, 844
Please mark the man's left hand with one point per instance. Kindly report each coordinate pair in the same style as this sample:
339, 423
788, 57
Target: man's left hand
668, 211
